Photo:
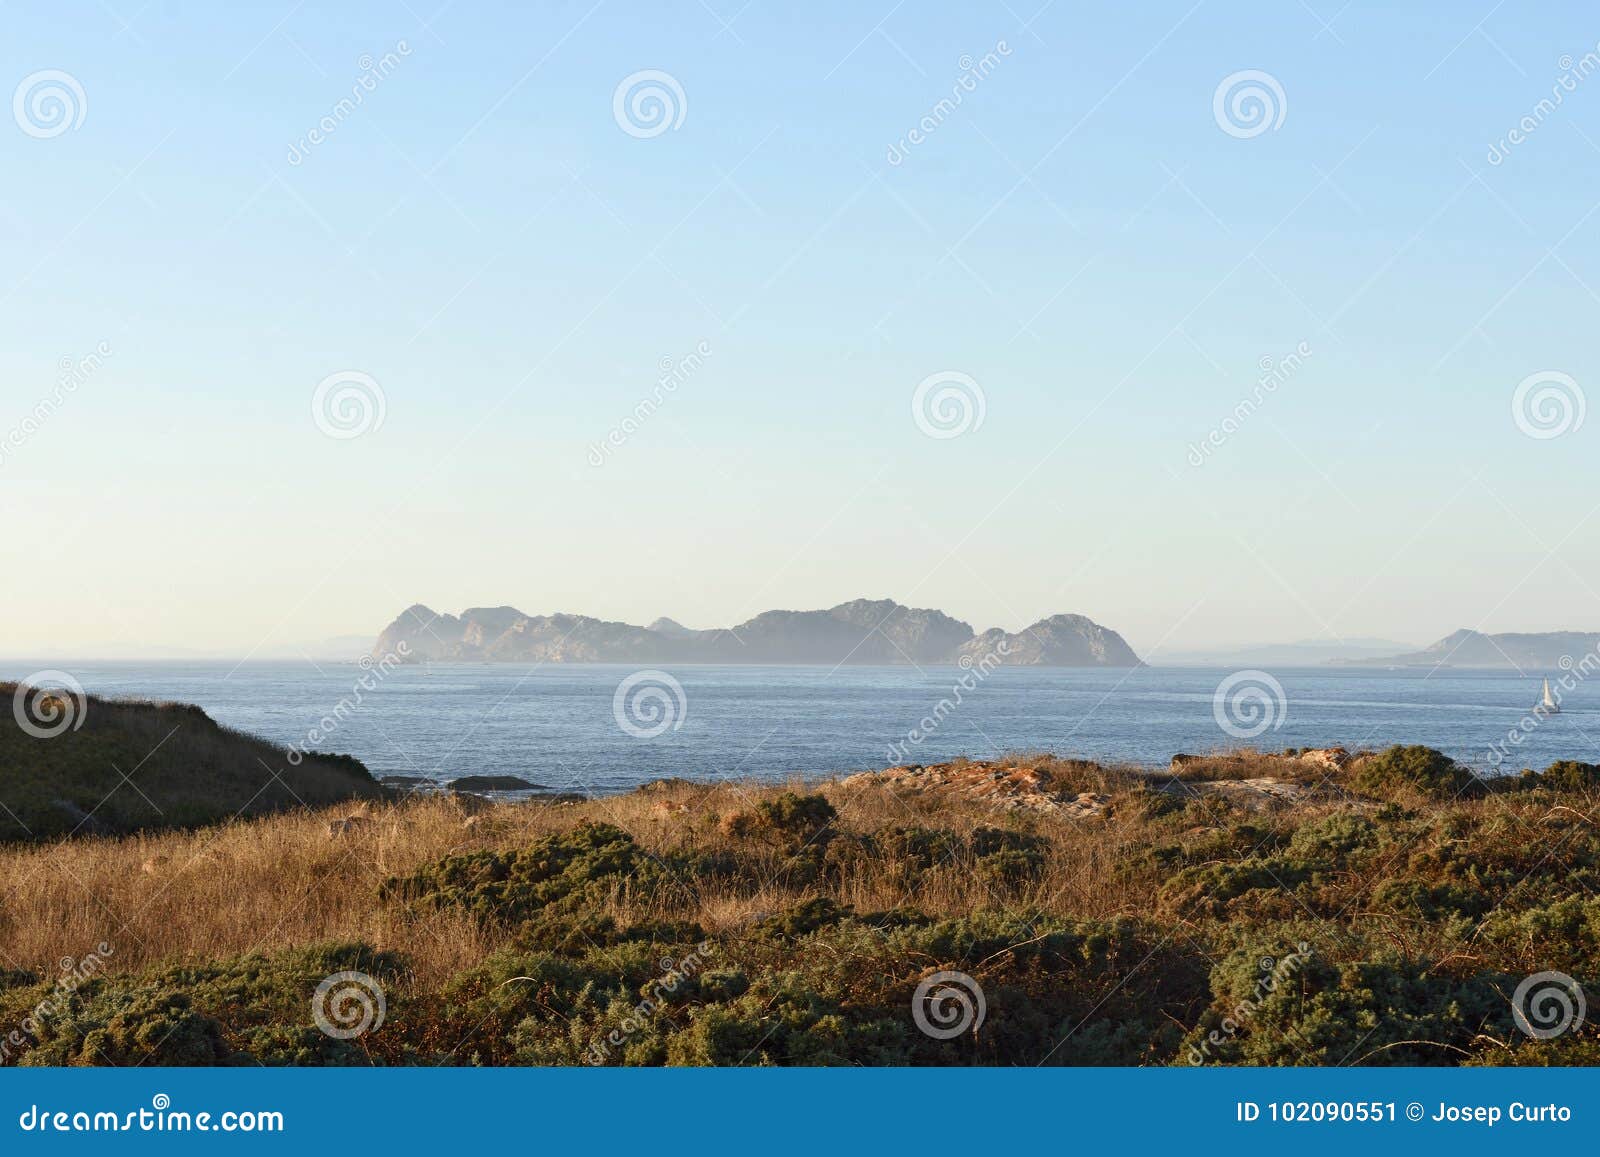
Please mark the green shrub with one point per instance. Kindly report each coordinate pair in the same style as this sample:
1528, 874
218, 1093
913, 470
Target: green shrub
1375, 1011
1422, 770
1570, 775
917, 849
802, 819
587, 863
247, 1010
1334, 837
1210, 888
803, 919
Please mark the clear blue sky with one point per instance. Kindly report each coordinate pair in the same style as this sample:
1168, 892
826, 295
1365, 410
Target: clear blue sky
1080, 237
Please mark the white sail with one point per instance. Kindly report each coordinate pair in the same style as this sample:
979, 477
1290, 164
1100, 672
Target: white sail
1549, 701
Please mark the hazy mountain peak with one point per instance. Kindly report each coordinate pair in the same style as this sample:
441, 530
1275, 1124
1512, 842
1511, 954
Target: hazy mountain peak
861, 631
1531, 652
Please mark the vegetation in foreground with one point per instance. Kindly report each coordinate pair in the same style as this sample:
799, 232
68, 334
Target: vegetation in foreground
1387, 915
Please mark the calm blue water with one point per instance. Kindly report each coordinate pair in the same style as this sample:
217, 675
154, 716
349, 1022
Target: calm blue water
555, 724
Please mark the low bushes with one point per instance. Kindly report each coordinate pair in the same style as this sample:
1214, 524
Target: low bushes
1389, 921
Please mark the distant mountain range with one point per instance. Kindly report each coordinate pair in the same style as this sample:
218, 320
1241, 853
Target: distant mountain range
1544, 651
862, 632
1306, 653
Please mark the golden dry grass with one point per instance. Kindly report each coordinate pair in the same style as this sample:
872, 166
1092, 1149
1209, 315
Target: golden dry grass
272, 882
278, 881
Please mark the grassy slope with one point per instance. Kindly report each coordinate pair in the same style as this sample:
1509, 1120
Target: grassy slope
184, 768
529, 934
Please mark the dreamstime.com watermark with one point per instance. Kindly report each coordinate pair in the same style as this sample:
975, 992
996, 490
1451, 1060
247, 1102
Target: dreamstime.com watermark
972, 74
975, 672
49, 703
347, 404
648, 703
1249, 703
1274, 373
74, 975
374, 672
673, 375
674, 973
348, 1004
648, 103
947, 1004
1572, 74
1249, 103
1274, 973
48, 103
1548, 404
161, 1117
948, 404
1574, 672
72, 373
1547, 1004
373, 73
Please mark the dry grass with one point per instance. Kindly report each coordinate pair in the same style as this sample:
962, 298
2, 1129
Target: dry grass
279, 881
1418, 895
284, 880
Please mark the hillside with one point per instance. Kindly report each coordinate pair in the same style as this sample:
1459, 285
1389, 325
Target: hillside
1533, 652
107, 766
860, 632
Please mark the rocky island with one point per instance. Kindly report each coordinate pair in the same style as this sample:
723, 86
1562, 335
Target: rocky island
861, 632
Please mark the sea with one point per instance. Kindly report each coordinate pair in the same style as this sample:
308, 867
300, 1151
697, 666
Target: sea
605, 728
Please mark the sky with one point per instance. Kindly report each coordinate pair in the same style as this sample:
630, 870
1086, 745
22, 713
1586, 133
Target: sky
328, 357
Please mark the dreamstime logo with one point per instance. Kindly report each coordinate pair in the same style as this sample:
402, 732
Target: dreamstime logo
48, 703
373, 673
373, 73
648, 703
1571, 74
48, 103
1248, 703
948, 404
348, 404
1547, 1004
1548, 404
1274, 973
1248, 103
648, 103
973, 72
673, 375
674, 973
74, 372
1575, 671
74, 975
348, 1004
1274, 373
975, 672
947, 1004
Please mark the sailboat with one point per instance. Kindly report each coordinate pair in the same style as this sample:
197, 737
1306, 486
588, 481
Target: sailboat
1549, 706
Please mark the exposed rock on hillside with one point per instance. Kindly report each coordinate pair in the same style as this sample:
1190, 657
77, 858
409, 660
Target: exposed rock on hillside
1009, 787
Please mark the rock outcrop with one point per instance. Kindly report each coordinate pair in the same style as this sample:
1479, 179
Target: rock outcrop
1007, 787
